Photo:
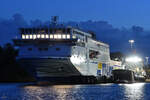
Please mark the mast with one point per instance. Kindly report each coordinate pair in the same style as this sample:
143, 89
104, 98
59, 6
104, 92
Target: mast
54, 20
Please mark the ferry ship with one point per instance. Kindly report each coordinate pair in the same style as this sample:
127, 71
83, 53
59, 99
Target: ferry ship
59, 52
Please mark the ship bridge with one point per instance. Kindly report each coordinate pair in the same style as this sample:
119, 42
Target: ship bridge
50, 42
47, 35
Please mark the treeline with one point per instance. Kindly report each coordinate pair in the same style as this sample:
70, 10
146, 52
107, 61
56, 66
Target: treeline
10, 71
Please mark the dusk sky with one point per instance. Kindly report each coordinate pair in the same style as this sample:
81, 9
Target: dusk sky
114, 21
117, 12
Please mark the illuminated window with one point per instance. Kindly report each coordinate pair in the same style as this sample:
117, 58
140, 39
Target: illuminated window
42, 36
74, 37
38, 36
68, 36
23, 37
30, 36
27, 36
34, 36
59, 36
64, 36
55, 36
47, 36
79, 40
51, 36
93, 54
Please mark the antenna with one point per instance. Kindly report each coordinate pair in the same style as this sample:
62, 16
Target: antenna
54, 20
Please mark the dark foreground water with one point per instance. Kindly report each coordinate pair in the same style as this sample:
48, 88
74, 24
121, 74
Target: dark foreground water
136, 91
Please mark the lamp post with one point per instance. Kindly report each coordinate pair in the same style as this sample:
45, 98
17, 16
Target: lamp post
131, 43
146, 60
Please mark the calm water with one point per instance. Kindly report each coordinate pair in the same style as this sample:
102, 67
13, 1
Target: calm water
136, 91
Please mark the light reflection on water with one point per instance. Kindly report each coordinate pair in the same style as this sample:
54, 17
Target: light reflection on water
136, 91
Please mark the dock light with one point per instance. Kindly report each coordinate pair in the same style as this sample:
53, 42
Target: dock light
134, 59
131, 43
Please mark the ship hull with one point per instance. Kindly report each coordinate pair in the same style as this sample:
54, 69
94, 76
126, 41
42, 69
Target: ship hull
123, 76
49, 69
126, 76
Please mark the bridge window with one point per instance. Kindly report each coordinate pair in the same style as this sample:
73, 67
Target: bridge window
64, 36
30, 36
23, 37
42, 36
38, 36
27, 36
47, 36
34, 36
93, 54
51, 36
74, 36
68, 36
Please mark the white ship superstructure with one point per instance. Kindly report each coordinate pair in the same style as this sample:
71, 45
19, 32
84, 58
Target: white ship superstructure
62, 51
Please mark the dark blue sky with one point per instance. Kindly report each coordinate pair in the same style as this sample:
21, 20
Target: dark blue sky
114, 21
117, 12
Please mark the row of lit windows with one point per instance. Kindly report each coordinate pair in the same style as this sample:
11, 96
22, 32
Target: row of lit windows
46, 36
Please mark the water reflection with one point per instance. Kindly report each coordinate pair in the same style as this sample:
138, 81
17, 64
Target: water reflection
69, 92
136, 91
62, 92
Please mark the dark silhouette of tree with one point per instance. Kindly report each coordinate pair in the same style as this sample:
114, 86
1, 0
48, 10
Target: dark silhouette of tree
10, 71
137, 29
9, 53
